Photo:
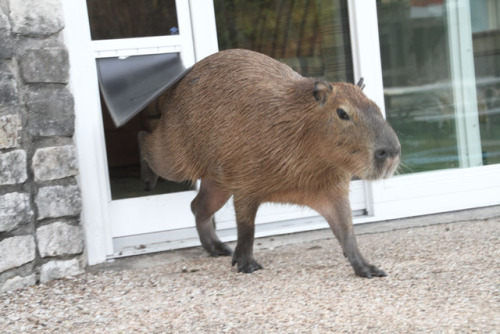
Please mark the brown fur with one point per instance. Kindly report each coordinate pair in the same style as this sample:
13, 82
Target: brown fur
249, 126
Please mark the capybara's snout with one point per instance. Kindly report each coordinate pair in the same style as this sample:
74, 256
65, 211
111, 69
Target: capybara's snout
387, 154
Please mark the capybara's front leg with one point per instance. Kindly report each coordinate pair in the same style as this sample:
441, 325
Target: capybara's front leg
246, 210
339, 217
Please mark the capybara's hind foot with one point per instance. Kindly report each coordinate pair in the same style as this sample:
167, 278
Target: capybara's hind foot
148, 186
218, 249
148, 177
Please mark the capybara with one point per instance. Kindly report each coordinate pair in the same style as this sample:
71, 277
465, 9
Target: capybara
250, 127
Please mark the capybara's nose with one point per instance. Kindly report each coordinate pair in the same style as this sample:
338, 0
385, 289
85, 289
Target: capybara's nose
382, 154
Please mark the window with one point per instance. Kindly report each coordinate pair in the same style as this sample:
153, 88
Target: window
145, 34
113, 19
312, 37
441, 97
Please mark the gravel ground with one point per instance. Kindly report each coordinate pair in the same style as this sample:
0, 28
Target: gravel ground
442, 278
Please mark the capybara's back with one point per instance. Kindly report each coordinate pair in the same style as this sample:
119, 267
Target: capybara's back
249, 126
227, 118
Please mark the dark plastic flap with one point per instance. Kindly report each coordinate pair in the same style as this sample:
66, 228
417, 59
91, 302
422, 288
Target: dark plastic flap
129, 85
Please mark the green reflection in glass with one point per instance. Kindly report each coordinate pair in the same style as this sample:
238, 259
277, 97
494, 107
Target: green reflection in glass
311, 36
429, 86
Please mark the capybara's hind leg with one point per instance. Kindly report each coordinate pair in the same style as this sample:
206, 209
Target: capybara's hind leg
210, 198
148, 177
246, 210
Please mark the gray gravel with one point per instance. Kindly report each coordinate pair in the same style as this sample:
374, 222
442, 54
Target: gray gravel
442, 278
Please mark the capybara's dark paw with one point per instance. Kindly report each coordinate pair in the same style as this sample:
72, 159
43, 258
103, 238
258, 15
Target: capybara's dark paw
369, 271
249, 267
246, 265
219, 249
148, 186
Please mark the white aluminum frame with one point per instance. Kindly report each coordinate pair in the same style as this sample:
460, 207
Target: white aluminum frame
421, 193
464, 83
103, 218
402, 196
88, 137
108, 222
365, 48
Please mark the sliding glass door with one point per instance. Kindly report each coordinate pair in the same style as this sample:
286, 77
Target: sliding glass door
441, 74
440, 65
433, 67
312, 37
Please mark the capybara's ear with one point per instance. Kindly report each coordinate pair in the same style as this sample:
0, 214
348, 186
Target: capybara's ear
361, 84
321, 92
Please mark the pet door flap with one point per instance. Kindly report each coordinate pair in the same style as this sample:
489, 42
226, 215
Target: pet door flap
128, 85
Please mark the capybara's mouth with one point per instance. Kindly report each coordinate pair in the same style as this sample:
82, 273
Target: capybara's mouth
392, 166
381, 171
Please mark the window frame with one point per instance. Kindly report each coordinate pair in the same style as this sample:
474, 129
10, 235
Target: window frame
402, 196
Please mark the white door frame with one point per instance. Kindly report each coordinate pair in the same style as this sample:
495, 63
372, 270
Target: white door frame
88, 135
149, 214
99, 212
464, 83
429, 192
402, 196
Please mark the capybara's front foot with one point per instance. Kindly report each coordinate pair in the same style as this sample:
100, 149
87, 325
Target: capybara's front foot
217, 249
246, 264
368, 271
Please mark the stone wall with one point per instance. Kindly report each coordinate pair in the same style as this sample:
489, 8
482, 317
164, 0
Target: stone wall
40, 233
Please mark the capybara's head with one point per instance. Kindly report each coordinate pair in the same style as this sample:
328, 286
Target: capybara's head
360, 140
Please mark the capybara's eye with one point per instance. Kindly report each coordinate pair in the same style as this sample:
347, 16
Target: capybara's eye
343, 114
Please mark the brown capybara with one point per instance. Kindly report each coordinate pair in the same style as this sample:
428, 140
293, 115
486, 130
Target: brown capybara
250, 127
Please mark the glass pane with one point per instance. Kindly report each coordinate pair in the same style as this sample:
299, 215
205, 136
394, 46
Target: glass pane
443, 111
417, 83
485, 19
112, 19
122, 150
311, 36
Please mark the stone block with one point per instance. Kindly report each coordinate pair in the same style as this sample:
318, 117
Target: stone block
16, 251
54, 163
6, 42
13, 167
9, 131
60, 269
59, 239
18, 282
15, 209
4, 21
36, 17
9, 95
48, 65
58, 201
51, 112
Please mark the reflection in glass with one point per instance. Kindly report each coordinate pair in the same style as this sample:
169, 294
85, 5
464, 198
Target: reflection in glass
310, 36
485, 19
417, 83
429, 88
122, 150
115, 19
112, 19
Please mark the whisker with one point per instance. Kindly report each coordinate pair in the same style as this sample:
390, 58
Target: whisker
403, 169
